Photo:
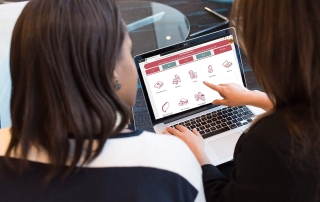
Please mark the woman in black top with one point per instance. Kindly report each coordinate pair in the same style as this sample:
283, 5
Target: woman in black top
278, 158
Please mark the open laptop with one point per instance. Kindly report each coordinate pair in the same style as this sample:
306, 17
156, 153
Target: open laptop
172, 82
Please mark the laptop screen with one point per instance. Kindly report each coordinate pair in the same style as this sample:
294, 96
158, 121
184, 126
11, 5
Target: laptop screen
174, 80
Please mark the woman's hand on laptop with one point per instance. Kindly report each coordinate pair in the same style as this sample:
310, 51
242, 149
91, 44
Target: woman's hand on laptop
193, 139
237, 95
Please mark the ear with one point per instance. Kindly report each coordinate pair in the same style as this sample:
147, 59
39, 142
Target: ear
115, 75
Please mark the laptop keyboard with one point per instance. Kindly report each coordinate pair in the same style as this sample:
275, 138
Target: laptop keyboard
219, 121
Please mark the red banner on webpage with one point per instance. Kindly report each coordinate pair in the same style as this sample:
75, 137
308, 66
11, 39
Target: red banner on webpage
186, 54
222, 50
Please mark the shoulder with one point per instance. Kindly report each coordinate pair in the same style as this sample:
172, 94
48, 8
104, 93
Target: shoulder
167, 145
5, 136
164, 152
160, 145
153, 154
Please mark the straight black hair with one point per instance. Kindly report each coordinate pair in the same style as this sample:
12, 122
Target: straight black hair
281, 39
62, 59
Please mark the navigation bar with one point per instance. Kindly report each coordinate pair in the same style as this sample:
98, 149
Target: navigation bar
174, 61
186, 54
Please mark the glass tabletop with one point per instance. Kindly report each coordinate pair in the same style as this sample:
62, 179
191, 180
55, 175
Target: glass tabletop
153, 25
176, 22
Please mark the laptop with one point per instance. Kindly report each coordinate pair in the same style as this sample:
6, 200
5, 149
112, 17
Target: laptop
172, 82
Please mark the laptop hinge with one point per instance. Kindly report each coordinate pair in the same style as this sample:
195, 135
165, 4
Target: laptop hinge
188, 114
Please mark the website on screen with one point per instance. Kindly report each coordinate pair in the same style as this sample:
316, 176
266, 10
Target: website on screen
174, 82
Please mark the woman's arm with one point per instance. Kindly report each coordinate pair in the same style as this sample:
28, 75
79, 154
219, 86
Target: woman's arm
193, 139
260, 172
236, 95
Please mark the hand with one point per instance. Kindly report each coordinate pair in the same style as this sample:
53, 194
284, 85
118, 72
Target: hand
236, 95
233, 94
193, 139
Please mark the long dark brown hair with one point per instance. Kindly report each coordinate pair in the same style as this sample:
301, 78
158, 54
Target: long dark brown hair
281, 39
63, 55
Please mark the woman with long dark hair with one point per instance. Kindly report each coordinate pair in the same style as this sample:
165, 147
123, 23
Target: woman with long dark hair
278, 157
73, 84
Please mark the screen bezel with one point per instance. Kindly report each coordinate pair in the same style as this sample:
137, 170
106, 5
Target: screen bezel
177, 47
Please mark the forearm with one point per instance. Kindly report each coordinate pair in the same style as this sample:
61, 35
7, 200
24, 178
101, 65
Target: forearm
260, 99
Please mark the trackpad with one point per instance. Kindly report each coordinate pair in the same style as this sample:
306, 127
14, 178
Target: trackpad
224, 147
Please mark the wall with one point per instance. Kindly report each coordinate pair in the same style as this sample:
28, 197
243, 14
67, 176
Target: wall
8, 16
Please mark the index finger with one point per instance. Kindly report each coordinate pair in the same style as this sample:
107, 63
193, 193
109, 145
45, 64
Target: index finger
213, 86
182, 128
173, 131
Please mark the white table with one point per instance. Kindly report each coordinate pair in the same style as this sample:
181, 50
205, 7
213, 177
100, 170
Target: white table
9, 14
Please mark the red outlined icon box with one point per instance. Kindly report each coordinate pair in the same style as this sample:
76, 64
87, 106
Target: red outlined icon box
200, 96
227, 64
176, 79
165, 107
210, 70
183, 101
193, 75
159, 84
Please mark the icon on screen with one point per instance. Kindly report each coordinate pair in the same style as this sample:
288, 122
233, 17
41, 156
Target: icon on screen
176, 79
193, 75
158, 85
227, 64
200, 96
210, 70
183, 102
165, 107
